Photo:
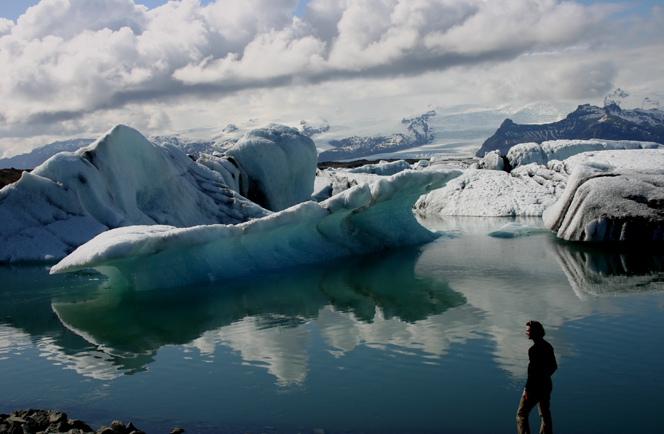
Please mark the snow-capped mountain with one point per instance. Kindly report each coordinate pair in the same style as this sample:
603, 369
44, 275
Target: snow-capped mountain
453, 131
39, 155
416, 134
586, 122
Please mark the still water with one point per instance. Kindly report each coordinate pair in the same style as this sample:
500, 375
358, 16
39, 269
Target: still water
416, 340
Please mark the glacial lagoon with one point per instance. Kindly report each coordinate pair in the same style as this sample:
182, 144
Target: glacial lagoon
414, 340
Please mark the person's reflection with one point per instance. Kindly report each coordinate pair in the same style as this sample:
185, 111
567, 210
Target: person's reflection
538, 386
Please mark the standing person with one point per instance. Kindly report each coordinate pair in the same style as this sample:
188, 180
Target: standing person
538, 386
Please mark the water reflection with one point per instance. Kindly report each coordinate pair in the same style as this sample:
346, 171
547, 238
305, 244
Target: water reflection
106, 332
595, 271
416, 300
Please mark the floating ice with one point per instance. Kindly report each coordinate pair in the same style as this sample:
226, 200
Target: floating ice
362, 219
526, 153
488, 193
280, 163
604, 201
383, 168
514, 230
492, 161
119, 180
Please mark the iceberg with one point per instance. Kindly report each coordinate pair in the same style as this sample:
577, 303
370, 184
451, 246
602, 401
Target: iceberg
280, 164
488, 193
526, 153
363, 219
607, 200
119, 180
383, 168
609, 205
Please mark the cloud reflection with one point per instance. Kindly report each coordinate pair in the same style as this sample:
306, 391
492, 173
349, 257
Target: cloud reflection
416, 301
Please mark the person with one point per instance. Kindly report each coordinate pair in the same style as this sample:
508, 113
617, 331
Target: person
538, 386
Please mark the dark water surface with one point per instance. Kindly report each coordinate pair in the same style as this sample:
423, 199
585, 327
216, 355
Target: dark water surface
424, 339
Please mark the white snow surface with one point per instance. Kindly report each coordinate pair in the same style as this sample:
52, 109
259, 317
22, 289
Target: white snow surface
280, 163
362, 219
527, 153
119, 180
488, 193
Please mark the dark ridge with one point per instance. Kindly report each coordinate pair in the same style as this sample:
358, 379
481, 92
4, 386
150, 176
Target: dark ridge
586, 122
359, 163
9, 176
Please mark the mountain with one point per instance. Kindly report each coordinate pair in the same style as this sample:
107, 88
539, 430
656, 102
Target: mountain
416, 134
450, 131
43, 153
586, 122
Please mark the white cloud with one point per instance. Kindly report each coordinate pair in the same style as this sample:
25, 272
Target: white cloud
76, 64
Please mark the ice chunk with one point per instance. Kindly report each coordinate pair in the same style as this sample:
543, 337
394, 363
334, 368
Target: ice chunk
602, 203
488, 193
492, 161
526, 153
119, 180
383, 168
280, 163
363, 219
514, 230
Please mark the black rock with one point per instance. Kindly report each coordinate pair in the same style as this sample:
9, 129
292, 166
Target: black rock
118, 426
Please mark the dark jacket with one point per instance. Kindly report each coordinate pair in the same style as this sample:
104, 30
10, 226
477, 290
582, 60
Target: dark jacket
542, 365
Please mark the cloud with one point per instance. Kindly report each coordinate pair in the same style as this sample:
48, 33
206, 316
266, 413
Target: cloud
68, 60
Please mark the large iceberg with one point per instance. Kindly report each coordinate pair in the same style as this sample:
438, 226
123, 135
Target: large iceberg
609, 204
488, 193
119, 180
527, 153
280, 164
362, 219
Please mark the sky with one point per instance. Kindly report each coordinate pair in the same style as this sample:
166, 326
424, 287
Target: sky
75, 68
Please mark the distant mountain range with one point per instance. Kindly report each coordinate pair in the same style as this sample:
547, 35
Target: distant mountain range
456, 131
586, 122
41, 154
416, 134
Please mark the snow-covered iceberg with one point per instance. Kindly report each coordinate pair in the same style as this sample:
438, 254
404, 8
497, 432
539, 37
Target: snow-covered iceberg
526, 153
280, 164
119, 180
488, 193
362, 219
605, 202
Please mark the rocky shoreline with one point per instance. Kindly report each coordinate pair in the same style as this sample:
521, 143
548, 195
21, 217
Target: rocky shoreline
33, 421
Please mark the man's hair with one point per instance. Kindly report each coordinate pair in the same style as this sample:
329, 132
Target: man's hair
536, 328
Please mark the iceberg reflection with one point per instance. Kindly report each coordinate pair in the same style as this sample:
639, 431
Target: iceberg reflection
267, 320
594, 272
